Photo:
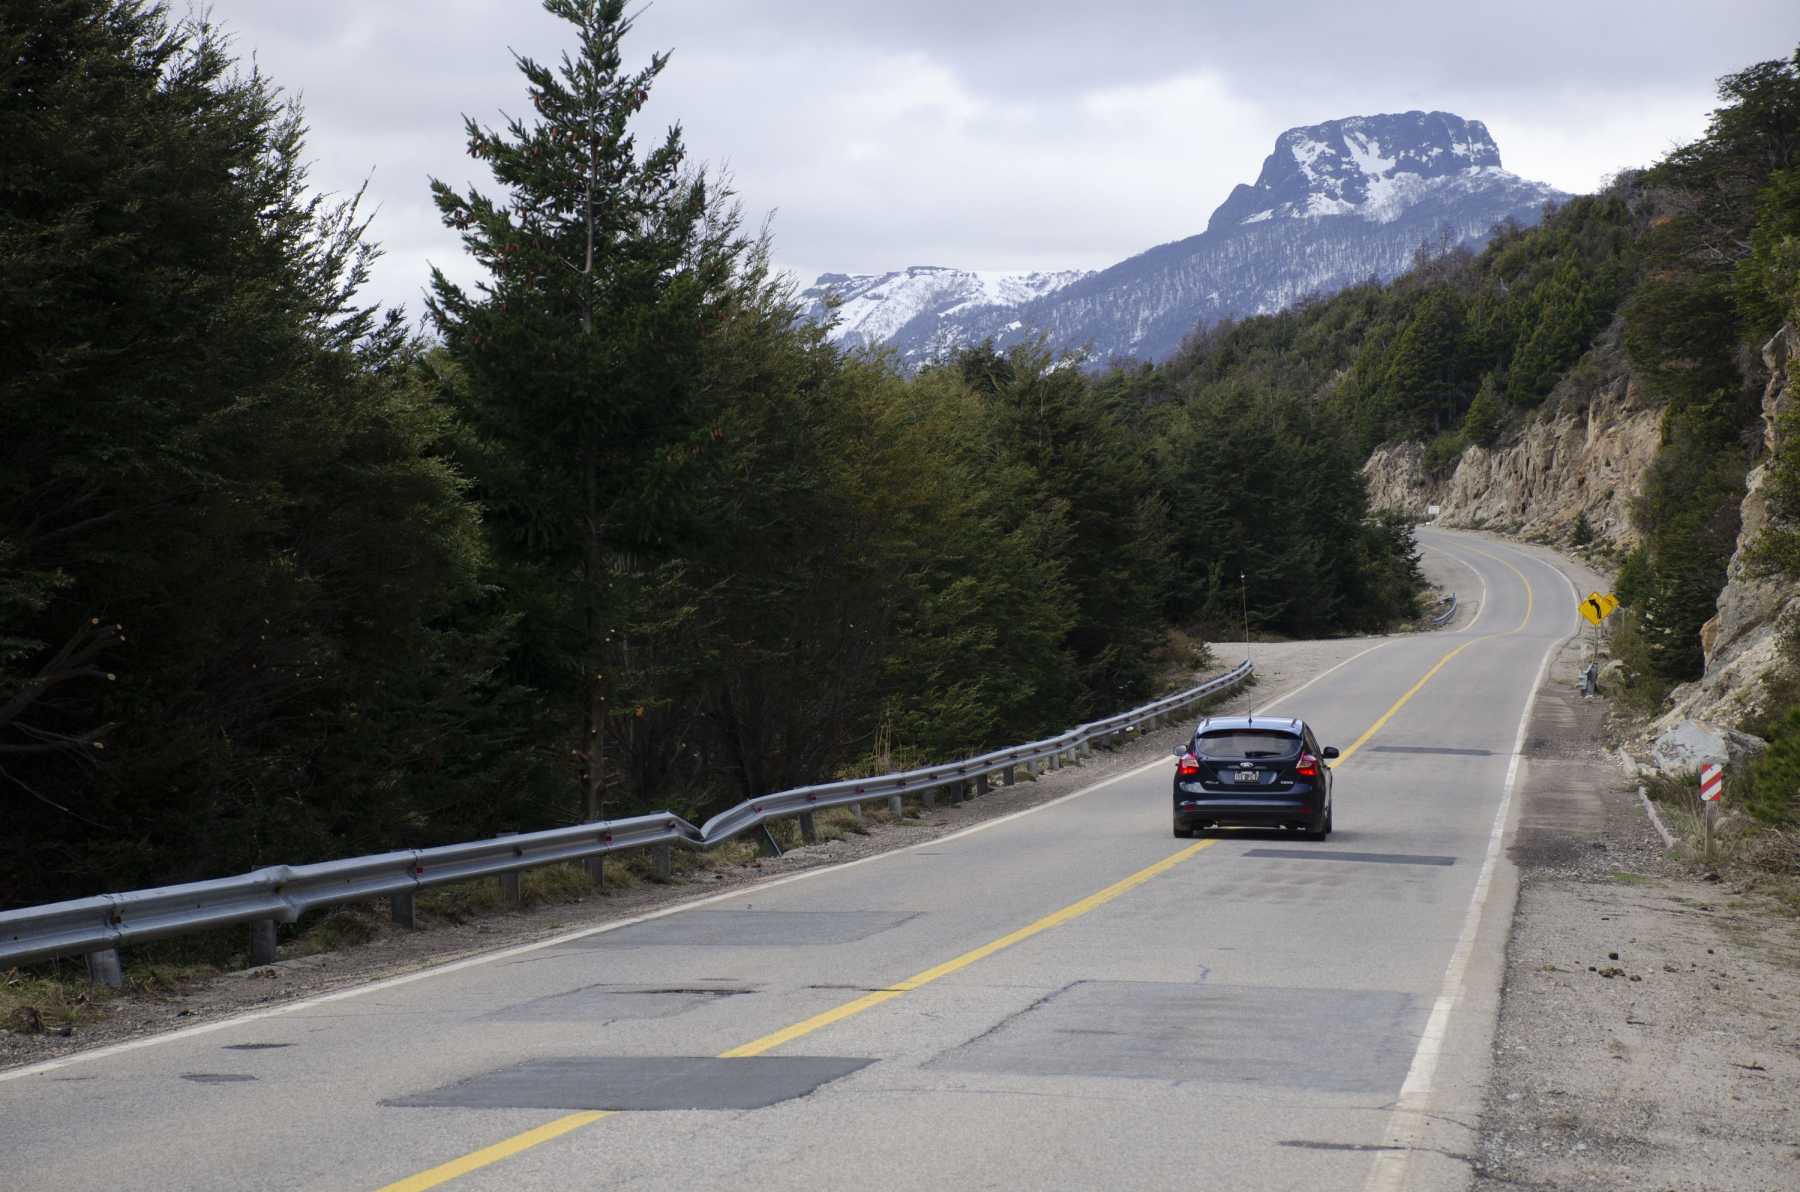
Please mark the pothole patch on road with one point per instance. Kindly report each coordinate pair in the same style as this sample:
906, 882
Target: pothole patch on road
641, 1083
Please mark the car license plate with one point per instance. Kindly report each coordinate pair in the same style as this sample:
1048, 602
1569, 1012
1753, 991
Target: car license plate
1247, 776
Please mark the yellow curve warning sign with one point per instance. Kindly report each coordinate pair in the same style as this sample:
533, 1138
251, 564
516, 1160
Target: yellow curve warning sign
1598, 606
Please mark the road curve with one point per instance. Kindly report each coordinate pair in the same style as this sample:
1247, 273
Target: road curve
1065, 998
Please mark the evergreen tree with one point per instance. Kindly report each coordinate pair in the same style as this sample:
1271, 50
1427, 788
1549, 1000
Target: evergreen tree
1423, 370
579, 361
1486, 416
203, 439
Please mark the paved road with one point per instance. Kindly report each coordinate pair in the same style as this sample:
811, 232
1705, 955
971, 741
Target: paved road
1067, 998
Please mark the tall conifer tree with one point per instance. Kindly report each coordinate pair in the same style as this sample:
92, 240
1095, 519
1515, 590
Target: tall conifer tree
579, 355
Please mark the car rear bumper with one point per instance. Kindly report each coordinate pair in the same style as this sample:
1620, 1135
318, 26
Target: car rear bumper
1199, 810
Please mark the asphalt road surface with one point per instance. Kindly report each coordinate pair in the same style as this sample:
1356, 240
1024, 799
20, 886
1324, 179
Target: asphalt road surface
1065, 998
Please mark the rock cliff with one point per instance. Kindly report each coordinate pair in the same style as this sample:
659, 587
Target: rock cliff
1585, 454
1743, 641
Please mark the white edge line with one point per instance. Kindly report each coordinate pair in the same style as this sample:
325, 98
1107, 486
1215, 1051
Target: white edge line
1475, 571
1407, 1119
207, 1028
1481, 609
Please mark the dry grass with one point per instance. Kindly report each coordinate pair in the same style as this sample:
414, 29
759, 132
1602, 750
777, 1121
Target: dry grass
1181, 656
1758, 857
57, 998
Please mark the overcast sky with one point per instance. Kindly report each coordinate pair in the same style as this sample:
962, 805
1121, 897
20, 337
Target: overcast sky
998, 134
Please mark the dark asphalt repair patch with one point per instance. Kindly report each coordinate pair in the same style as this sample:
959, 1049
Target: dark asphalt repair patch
216, 1077
1301, 854
1351, 1041
1432, 750
254, 1046
605, 1003
641, 1083
749, 929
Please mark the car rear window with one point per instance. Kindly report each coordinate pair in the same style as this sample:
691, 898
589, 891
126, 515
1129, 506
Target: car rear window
1241, 743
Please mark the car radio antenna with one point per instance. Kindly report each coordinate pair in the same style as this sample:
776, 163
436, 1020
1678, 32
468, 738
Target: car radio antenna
1244, 592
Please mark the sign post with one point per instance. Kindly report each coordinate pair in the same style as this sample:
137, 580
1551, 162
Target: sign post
1712, 784
1595, 608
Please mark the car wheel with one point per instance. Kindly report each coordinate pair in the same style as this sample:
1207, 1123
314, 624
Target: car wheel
1182, 832
1322, 828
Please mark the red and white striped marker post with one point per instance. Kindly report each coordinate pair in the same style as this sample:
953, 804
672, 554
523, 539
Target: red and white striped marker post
1712, 784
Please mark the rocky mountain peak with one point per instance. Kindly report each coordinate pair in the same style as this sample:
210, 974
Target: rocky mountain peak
1335, 204
1370, 166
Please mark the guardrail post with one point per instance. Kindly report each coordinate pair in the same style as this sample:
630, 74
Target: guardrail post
856, 812
766, 841
662, 859
104, 968
596, 868
262, 942
405, 913
509, 883
895, 807
1009, 776
981, 784
928, 796
809, 830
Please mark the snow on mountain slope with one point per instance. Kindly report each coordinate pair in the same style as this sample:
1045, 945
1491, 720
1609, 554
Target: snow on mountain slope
1335, 204
874, 307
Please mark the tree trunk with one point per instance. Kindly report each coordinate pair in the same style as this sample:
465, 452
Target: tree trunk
592, 568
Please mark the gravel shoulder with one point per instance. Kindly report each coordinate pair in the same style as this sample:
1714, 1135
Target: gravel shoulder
1648, 1037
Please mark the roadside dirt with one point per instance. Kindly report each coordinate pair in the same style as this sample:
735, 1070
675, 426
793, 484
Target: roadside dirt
1649, 1037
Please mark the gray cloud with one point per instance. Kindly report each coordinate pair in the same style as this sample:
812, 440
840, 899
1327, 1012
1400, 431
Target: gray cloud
999, 133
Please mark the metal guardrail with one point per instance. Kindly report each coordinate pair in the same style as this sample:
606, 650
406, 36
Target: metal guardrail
98, 926
1449, 612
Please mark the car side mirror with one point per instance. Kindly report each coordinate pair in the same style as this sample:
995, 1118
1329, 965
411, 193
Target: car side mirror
1180, 749
1331, 751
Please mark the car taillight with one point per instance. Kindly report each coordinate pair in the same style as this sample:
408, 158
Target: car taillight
1308, 767
1188, 765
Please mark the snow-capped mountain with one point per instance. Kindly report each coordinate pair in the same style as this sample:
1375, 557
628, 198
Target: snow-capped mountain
1336, 203
875, 307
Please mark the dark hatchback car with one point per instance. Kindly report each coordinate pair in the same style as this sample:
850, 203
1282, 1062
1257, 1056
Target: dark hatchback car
1253, 772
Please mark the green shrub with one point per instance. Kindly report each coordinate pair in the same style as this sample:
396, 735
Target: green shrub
1771, 785
1442, 454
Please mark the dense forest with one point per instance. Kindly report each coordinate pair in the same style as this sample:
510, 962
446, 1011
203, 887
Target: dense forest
283, 578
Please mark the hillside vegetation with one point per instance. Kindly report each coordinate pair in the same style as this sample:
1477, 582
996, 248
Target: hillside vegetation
282, 579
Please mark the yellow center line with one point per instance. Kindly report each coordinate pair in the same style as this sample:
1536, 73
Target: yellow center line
1073, 911
1530, 602
508, 1147
443, 1173
1398, 704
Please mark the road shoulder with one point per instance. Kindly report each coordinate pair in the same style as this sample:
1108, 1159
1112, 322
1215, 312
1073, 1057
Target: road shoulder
1647, 1037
